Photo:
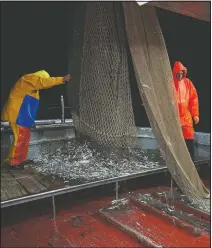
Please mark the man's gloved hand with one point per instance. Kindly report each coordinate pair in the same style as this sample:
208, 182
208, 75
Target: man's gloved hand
196, 119
67, 78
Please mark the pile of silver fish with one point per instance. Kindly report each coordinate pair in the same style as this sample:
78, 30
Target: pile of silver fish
76, 161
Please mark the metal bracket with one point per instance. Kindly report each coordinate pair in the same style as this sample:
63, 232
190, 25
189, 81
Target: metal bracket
117, 190
53, 206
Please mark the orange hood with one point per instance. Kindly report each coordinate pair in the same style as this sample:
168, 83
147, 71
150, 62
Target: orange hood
179, 67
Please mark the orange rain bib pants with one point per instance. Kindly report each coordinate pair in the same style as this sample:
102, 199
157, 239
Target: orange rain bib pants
21, 108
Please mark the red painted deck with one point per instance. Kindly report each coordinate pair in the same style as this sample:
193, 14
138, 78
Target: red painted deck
83, 225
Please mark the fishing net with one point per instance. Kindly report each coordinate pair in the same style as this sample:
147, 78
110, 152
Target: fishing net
100, 92
102, 109
156, 86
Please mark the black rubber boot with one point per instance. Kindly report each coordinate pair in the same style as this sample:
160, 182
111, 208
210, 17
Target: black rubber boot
190, 146
28, 161
8, 166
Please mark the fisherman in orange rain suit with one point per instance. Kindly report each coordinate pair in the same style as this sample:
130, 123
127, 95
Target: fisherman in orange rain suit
188, 104
20, 110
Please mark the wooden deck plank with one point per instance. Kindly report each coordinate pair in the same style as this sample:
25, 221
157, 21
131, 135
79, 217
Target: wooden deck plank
3, 195
47, 181
11, 187
31, 185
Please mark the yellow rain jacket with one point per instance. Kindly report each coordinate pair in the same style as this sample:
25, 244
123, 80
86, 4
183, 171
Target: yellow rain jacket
22, 105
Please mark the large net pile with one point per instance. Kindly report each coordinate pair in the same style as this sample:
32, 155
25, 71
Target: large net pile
101, 98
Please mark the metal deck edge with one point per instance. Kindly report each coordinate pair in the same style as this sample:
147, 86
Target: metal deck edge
70, 189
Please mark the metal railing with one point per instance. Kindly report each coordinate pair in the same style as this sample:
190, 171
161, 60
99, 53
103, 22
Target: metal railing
6, 124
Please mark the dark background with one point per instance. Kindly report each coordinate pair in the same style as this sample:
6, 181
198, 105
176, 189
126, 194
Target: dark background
36, 35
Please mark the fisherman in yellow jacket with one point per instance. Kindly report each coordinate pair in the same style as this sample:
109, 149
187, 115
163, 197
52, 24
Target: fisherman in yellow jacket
20, 111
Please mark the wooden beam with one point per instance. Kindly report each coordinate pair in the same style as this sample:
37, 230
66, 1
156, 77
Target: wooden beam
198, 10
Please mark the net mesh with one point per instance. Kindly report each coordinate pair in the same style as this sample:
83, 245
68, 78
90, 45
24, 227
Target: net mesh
103, 109
104, 112
156, 86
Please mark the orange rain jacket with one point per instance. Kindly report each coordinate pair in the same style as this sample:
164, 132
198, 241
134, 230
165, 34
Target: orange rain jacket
188, 104
22, 105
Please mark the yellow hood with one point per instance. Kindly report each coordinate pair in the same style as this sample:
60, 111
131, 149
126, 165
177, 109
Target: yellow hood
42, 74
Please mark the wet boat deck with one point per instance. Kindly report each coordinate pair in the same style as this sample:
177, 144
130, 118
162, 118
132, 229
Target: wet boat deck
17, 184
139, 219
22, 186
54, 174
